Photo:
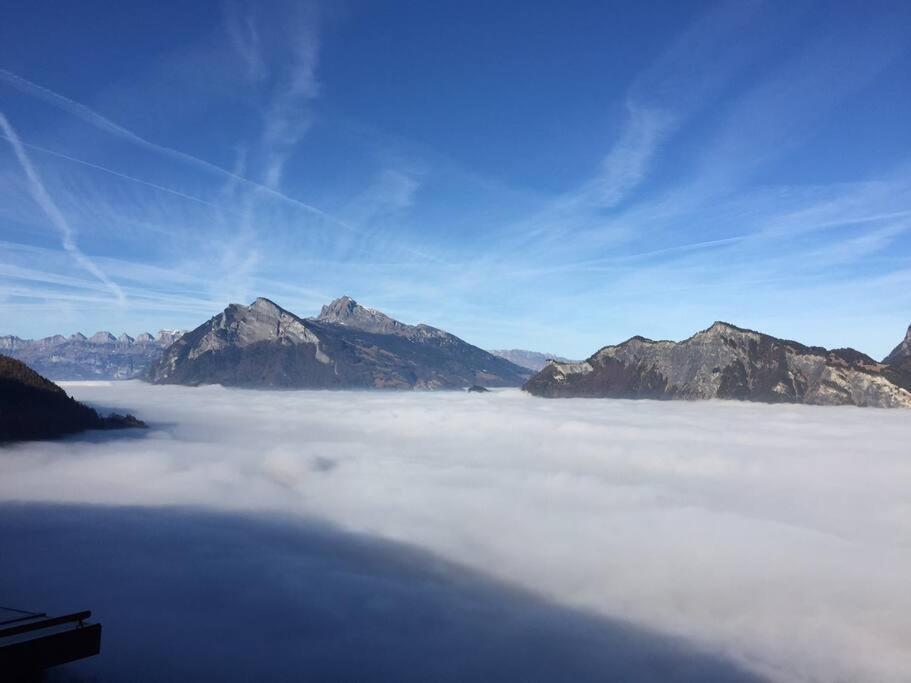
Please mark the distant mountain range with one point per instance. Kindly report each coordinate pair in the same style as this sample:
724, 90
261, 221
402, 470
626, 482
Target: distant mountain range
350, 346
533, 360
33, 407
101, 356
725, 361
346, 346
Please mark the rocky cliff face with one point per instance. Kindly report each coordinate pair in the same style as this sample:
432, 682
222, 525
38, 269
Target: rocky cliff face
101, 356
533, 360
900, 358
348, 312
346, 346
728, 362
32, 407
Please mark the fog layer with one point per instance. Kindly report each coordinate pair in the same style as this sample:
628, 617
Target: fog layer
777, 535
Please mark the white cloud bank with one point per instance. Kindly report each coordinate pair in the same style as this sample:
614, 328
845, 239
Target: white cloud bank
778, 535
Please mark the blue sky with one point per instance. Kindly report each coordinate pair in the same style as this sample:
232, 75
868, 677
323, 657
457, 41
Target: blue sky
554, 176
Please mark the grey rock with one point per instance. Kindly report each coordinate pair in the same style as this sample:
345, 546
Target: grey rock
533, 360
78, 358
900, 358
56, 340
167, 337
346, 311
9, 342
102, 338
346, 346
727, 362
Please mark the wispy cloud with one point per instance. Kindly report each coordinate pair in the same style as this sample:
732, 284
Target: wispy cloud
244, 36
44, 200
682, 193
626, 165
105, 124
392, 191
281, 59
683, 79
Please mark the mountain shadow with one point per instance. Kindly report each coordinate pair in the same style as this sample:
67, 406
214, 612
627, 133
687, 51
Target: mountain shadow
197, 595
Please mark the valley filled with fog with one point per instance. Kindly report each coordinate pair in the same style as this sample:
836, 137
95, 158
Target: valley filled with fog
777, 538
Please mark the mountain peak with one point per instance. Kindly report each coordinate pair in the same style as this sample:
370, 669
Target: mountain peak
347, 345
340, 309
901, 354
721, 326
166, 337
265, 305
348, 312
103, 337
725, 361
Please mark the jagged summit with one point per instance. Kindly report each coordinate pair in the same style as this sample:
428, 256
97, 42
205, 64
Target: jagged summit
103, 337
100, 357
168, 337
900, 357
342, 307
722, 326
902, 351
267, 306
726, 361
532, 360
263, 320
346, 346
346, 311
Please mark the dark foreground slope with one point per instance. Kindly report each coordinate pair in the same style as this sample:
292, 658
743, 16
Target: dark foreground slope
32, 407
347, 346
725, 361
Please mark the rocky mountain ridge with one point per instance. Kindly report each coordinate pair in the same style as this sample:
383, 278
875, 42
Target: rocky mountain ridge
101, 356
346, 346
725, 361
533, 360
900, 358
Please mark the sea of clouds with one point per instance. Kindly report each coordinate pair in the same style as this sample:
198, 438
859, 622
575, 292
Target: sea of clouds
776, 537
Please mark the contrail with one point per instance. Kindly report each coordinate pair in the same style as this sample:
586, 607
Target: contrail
103, 123
117, 174
43, 199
